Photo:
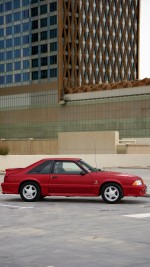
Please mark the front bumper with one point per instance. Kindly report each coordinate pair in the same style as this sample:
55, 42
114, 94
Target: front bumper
135, 190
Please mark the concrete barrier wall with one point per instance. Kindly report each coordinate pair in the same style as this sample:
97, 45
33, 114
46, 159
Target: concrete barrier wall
30, 146
101, 161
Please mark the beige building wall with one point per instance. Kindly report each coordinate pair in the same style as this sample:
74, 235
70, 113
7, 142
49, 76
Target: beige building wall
137, 149
88, 142
31, 147
76, 143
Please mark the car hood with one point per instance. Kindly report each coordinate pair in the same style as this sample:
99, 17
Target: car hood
117, 175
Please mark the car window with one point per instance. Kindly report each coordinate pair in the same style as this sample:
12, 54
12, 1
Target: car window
43, 168
66, 167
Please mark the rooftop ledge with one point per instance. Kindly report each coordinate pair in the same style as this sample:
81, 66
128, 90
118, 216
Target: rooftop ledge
124, 88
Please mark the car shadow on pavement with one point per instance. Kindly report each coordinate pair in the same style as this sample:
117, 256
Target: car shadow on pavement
96, 200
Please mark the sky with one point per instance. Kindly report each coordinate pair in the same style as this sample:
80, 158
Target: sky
145, 39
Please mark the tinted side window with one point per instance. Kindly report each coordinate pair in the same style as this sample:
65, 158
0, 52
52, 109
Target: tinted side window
43, 168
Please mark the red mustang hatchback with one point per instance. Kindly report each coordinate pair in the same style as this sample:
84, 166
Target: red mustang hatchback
70, 177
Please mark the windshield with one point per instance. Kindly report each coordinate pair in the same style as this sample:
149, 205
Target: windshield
87, 167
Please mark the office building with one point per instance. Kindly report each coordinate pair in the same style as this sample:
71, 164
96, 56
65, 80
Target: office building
49, 47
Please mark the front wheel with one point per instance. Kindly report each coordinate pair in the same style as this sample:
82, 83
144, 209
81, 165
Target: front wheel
111, 193
30, 191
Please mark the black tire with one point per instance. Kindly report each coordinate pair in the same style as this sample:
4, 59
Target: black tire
111, 193
30, 191
42, 197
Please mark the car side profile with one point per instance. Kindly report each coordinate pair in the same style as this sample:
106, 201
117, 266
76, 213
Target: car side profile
70, 177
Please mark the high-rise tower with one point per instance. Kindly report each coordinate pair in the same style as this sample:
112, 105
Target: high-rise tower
49, 45
74, 42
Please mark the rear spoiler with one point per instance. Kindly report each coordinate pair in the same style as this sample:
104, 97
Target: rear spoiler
13, 170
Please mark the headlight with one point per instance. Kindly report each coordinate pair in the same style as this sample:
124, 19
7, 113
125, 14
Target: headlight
137, 182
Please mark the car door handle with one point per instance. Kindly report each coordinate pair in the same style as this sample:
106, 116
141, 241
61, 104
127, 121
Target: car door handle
54, 176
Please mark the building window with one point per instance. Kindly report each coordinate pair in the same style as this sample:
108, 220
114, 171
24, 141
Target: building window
9, 67
25, 2
26, 76
16, 4
53, 20
43, 9
2, 44
1, 32
9, 31
34, 50
17, 65
35, 63
35, 75
17, 53
25, 27
9, 55
53, 73
43, 22
35, 37
53, 46
25, 64
8, 6
25, 39
17, 78
17, 41
44, 48
34, 24
17, 16
43, 61
44, 35
1, 8
43, 74
8, 18
1, 56
2, 79
1, 67
1, 20
53, 60
53, 33
34, 11
34, 1
8, 43
25, 14
17, 28
8, 79
26, 52
53, 6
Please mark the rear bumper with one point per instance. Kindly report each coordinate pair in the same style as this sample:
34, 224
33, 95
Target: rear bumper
8, 188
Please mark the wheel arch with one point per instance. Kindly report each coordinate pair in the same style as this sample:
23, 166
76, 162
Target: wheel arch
26, 181
110, 182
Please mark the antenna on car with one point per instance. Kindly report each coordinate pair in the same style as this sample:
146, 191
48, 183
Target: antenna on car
95, 157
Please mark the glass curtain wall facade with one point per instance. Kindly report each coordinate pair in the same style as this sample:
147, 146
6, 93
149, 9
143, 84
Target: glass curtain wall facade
28, 42
98, 41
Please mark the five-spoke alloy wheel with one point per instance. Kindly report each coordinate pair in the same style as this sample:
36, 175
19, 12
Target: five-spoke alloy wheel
30, 191
111, 193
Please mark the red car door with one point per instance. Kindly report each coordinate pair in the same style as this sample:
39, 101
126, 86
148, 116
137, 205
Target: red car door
68, 178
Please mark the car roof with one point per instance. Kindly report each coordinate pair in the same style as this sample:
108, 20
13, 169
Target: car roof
75, 159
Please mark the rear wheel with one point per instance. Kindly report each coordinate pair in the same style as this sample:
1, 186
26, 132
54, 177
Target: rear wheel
30, 191
111, 193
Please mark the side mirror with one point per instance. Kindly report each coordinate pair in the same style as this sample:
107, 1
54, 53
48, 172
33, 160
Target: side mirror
82, 173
